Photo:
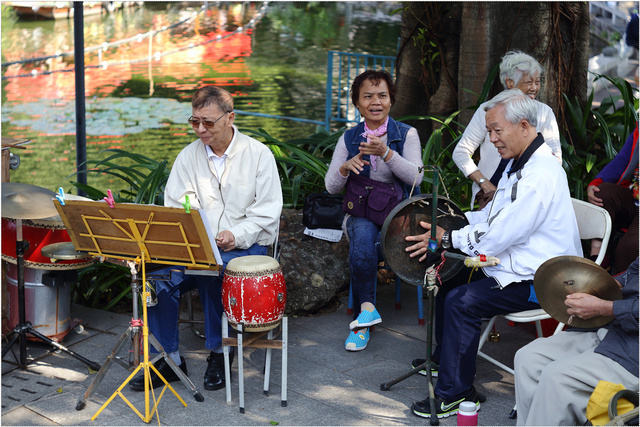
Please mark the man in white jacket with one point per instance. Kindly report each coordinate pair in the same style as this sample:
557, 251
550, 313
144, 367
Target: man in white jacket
529, 221
234, 179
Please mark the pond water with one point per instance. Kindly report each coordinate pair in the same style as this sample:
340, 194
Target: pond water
271, 57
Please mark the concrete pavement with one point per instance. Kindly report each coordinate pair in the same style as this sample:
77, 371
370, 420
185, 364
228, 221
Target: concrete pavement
326, 384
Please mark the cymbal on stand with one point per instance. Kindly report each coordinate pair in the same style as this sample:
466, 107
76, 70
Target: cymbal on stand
63, 251
26, 201
564, 275
54, 222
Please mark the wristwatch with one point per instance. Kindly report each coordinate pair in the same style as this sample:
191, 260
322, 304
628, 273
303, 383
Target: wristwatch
446, 240
481, 181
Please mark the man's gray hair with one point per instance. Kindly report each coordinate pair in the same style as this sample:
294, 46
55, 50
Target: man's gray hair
517, 106
515, 65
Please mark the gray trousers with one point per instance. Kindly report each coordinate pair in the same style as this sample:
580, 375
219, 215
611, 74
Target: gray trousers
555, 376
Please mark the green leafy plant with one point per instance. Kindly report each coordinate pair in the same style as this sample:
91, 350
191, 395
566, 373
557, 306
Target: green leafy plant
439, 154
145, 177
596, 133
102, 285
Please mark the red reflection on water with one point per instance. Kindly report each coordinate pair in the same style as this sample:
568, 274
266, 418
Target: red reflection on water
188, 67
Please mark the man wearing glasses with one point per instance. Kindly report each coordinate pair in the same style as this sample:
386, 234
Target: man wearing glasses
234, 179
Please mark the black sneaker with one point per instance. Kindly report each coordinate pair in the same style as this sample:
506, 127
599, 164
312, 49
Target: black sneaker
444, 409
434, 367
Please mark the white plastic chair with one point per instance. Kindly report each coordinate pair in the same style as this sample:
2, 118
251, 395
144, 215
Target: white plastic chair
594, 222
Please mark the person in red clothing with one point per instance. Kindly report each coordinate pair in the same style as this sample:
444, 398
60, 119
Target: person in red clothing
616, 190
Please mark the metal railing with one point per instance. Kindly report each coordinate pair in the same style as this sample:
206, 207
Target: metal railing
342, 68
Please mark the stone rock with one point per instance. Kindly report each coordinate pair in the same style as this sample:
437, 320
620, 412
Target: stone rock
314, 270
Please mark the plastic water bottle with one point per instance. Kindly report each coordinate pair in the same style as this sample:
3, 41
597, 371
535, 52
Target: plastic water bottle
467, 414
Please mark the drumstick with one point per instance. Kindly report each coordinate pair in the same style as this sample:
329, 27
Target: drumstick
474, 261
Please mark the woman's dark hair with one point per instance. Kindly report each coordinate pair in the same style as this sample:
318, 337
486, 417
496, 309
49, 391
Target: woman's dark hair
375, 76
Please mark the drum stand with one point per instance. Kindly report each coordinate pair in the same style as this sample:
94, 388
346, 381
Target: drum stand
23, 328
132, 335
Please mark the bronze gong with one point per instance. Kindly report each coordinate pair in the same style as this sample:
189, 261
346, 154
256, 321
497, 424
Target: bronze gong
404, 220
564, 275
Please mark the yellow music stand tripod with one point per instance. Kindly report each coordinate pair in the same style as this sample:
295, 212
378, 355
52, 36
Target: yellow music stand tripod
137, 235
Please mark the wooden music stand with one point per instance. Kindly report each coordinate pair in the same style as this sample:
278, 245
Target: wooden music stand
141, 234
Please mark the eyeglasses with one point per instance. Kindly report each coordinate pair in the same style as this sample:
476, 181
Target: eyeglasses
206, 123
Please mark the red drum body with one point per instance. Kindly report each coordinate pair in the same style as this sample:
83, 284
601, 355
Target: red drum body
39, 233
254, 293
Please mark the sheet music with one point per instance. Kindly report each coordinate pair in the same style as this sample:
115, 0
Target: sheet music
324, 234
212, 237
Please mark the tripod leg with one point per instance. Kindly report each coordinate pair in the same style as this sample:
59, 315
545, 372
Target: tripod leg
183, 378
93, 365
80, 405
12, 337
386, 386
432, 403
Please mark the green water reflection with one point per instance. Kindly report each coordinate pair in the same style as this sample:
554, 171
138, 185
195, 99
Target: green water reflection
279, 68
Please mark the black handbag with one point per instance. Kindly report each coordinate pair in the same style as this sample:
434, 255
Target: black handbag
323, 210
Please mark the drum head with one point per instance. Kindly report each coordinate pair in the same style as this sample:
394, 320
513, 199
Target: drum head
404, 220
252, 265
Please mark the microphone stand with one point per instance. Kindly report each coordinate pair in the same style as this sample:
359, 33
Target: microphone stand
433, 246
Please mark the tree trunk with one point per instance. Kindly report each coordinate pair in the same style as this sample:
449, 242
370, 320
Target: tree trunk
473, 37
411, 96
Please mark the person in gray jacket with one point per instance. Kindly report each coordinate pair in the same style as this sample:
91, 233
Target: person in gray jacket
556, 376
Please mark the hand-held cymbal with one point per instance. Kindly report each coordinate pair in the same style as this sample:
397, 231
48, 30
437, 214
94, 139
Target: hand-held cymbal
564, 275
26, 201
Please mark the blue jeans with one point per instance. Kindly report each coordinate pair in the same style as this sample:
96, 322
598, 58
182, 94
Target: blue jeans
364, 256
163, 317
459, 313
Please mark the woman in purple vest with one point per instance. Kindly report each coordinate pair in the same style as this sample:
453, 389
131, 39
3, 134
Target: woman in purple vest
384, 150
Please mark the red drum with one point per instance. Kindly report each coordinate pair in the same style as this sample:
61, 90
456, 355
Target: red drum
254, 292
39, 233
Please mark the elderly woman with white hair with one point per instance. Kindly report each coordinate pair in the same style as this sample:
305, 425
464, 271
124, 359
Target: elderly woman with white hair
517, 70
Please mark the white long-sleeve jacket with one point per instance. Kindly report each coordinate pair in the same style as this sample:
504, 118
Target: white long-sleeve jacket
248, 199
529, 221
475, 135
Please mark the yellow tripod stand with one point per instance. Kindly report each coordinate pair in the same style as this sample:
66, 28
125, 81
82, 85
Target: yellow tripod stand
137, 235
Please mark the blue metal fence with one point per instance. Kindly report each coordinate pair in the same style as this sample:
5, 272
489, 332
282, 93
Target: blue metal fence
342, 68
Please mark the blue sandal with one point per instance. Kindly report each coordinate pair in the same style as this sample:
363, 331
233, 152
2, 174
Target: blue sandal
366, 319
357, 341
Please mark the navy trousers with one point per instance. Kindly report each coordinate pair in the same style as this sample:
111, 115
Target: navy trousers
460, 308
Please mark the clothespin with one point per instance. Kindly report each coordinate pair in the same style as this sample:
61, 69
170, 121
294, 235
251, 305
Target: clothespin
60, 196
109, 199
187, 204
